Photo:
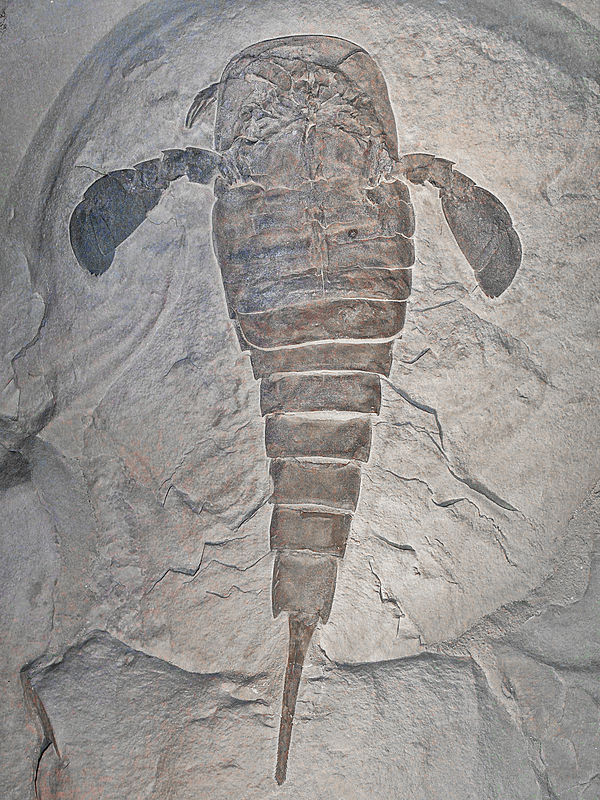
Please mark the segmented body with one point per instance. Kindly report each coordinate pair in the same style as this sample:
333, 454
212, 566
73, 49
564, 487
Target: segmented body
313, 238
314, 248
312, 229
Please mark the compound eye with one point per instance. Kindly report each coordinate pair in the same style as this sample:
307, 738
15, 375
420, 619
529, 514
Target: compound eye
352, 233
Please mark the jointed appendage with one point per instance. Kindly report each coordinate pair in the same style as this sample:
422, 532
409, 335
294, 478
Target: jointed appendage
479, 222
201, 102
116, 204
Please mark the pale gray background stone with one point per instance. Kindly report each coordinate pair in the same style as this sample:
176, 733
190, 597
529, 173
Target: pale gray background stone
461, 658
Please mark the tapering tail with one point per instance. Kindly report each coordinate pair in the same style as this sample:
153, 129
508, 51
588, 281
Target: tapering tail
302, 628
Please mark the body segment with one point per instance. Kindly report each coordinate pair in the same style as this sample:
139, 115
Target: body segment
313, 238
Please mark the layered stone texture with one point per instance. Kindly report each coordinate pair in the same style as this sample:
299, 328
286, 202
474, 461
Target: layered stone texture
459, 658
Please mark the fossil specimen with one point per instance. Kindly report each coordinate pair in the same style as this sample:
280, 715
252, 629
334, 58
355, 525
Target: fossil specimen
312, 229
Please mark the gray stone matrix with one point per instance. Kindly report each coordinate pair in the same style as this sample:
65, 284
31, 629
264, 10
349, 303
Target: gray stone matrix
461, 656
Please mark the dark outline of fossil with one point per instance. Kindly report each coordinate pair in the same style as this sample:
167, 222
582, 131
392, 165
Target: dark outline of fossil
312, 229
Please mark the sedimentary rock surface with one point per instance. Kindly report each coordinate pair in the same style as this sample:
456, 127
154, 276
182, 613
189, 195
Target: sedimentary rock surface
130, 724
460, 658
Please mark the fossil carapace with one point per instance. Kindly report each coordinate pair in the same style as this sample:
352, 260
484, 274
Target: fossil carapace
312, 230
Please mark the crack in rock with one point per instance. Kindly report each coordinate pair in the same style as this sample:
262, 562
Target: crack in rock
388, 599
231, 589
420, 406
192, 573
499, 536
473, 483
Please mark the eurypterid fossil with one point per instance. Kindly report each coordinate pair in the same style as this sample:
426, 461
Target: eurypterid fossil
312, 230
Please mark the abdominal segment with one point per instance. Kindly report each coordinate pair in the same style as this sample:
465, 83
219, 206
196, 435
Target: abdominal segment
316, 278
